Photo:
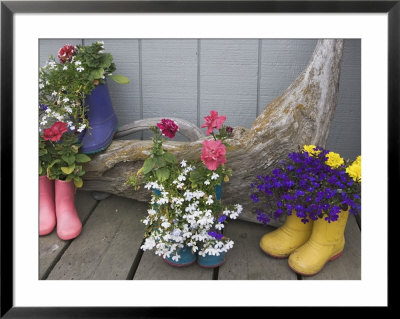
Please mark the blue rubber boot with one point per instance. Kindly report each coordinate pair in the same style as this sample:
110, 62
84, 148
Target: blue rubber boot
102, 120
187, 257
211, 261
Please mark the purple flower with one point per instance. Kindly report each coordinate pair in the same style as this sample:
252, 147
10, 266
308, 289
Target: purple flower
216, 235
43, 107
254, 197
221, 219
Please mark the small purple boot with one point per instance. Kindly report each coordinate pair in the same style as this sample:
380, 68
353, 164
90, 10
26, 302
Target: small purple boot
102, 120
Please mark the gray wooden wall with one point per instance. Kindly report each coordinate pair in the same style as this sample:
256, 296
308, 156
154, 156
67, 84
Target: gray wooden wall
187, 78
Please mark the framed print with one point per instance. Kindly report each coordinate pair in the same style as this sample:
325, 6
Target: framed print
221, 61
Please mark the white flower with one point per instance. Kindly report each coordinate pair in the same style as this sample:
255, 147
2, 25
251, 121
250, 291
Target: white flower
100, 42
68, 109
219, 226
41, 86
176, 232
48, 110
165, 224
209, 200
80, 69
147, 186
65, 100
78, 62
181, 178
183, 163
81, 128
226, 212
151, 212
207, 182
175, 257
180, 185
65, 68
54, 93
72, 127
214, 176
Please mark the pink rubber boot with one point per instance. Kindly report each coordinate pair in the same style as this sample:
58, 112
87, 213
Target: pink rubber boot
69, 225
47, 211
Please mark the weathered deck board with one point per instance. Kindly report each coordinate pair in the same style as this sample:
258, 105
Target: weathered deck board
50, 246
347, 266
154, 267
107, 245
246, 261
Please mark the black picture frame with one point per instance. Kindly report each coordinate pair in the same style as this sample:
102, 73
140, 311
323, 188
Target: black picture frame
9, 8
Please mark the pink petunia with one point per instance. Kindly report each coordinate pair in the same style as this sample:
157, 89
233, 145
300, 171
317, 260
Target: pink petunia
55, 132
213, 121
213, 154
168, 128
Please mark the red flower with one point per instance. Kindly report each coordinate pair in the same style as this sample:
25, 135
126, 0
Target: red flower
213, 121
66, 52
55, 132
168, 128
213, 154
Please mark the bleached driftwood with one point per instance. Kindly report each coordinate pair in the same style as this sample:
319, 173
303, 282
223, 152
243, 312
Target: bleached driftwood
301, 115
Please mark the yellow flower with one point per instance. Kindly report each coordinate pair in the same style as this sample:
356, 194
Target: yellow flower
310, 150
334, 160
358, 160
354, 171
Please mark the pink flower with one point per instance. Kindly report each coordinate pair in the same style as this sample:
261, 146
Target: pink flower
168, 127
213, 154
66, 52
213, 121
55, 132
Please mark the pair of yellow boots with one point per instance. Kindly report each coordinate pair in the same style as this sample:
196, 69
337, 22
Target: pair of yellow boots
309, 246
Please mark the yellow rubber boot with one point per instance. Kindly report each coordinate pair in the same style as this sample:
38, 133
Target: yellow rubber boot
284, 240
325, 244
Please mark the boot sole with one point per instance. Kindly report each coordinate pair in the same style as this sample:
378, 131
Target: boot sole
179, 265
277, 257
212, 266
330, 259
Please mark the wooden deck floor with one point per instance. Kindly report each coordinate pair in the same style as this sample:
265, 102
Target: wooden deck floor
109, 248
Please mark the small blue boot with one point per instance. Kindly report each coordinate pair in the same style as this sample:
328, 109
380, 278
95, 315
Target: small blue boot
211, 261
187, 257
102, 120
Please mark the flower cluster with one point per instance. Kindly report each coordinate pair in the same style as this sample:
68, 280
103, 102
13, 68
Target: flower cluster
213, 153
59, 156
185, 207
183, 214
313, 183
64, 84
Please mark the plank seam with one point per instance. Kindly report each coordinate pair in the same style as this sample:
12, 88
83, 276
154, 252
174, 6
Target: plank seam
135, 264
63, 250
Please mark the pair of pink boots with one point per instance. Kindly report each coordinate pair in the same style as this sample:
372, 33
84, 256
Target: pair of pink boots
57, 206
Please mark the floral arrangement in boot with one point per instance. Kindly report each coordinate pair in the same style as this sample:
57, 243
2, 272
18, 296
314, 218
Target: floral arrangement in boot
66, 87
316, 189
186, 217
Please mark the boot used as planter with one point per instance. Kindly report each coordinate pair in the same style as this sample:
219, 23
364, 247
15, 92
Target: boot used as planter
47, 211
102, 121
187, 257
281, 242
325, 244
69, 225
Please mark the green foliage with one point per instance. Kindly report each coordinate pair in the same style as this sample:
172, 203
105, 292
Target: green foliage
62, 160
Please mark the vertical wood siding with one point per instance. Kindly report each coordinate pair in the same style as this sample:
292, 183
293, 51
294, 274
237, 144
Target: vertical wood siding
237, 77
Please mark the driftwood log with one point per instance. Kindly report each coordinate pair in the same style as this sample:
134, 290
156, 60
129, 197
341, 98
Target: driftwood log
301, 115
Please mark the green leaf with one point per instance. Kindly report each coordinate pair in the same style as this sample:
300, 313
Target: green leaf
162, 174
120, 79
159, 161
68, 170
82, 158
78, 182
97, 73
70, 159
148, 165
42, 152
170, 158
40, 170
